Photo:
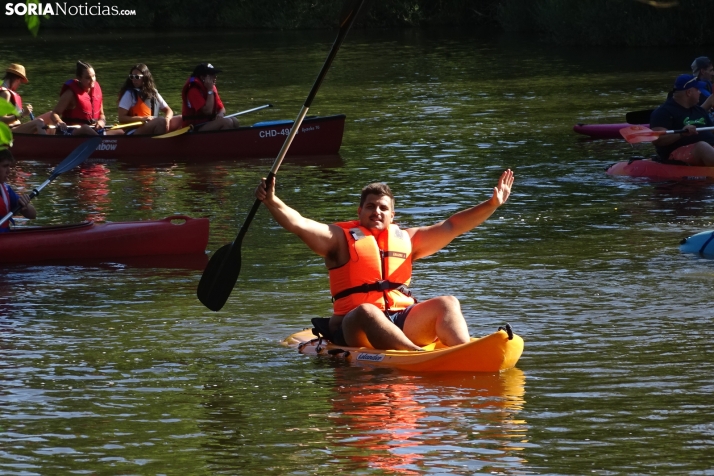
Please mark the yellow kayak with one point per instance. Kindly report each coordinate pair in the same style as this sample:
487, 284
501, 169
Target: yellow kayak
492, 353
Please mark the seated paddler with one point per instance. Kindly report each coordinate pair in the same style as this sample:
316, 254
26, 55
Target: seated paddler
15, 75
369, 262
80, 109
140, 101
201, 105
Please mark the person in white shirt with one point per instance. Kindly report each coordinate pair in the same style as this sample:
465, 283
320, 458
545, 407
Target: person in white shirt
139, 101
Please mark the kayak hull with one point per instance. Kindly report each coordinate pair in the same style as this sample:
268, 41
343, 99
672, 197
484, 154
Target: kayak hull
492, 353
650, 169
600, 131
317, 136
701, 243
175, 235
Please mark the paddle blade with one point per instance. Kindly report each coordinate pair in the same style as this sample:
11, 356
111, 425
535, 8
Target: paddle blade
77, 156
639, 117
637, 134
219, 277
175, 133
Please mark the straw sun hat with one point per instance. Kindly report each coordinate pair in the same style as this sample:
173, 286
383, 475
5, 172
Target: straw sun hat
18, 70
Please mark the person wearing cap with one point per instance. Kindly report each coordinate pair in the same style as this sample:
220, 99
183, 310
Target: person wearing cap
14, 76
201, 105
681, 110
703, 69
81, 104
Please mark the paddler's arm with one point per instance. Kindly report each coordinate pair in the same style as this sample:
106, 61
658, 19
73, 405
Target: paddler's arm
427, 240
102, 121
65, 102
27, 210
669, 139
321, 238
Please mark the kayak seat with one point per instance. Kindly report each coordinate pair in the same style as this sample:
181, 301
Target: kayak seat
508, 330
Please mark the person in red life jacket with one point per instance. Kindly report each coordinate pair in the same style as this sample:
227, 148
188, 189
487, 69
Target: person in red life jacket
370, 260
14, 76
80, 104
139, 101
8, 198
201, 105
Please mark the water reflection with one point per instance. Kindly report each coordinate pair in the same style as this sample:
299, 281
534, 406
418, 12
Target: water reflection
405, 424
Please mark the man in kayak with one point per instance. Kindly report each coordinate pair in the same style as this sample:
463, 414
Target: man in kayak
81, 104
8, 198
681, 111
201, 104
369, 262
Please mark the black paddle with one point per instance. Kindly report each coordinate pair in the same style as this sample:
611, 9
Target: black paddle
78, 155
222, 271
639, 117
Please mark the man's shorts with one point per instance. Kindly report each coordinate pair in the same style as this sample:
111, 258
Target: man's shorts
683, 154
397, 317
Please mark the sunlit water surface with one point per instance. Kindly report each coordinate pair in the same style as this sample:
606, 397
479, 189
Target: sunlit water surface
116, 368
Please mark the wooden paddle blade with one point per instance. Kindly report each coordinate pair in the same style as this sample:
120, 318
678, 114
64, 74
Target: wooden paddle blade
639, 117
637, 134
175, 133
219, 277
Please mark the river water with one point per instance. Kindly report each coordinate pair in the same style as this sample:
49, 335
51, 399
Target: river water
116, 368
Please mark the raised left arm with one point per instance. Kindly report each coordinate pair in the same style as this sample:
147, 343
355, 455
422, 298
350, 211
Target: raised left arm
428, 240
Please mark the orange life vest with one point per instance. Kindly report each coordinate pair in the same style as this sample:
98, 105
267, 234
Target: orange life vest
89, 103
378, 272
141, 108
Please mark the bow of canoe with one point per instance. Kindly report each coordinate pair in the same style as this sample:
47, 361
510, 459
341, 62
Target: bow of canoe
175, 235
600, 131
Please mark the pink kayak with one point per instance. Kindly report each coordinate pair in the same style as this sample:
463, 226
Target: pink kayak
600, 131
175, 235
650, 169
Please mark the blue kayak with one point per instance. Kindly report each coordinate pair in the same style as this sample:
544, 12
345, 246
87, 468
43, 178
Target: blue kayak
701, 243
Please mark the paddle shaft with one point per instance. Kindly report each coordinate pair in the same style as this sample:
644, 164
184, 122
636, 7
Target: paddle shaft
76, 157
222, 271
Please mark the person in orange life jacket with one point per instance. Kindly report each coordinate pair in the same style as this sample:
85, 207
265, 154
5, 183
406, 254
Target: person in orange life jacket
14, 76
372, 310
201, 103
81, 103
681, 111
8, 198
139, 101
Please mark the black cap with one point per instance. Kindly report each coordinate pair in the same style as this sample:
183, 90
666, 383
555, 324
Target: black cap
205, 68
700, 63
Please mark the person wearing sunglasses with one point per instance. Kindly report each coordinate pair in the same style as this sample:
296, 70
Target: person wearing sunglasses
81, 104
139, 101
201, 105
681, 110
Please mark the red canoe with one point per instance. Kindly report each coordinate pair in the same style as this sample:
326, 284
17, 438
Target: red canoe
317, 136
650, 169
175, 235
600, 131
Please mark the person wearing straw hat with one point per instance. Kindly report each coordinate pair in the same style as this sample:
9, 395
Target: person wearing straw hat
14, 76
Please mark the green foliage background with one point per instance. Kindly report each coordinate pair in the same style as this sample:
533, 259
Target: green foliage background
575, 22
